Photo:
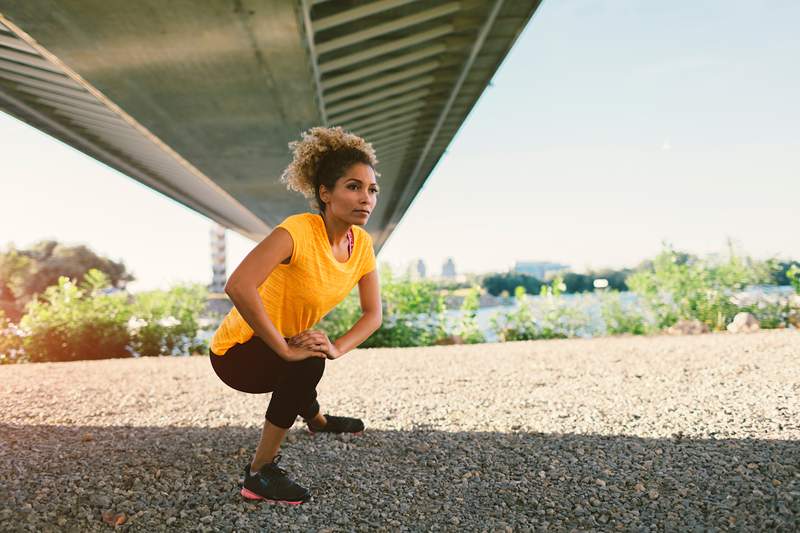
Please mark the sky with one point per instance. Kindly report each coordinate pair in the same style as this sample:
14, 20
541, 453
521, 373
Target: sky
610, 128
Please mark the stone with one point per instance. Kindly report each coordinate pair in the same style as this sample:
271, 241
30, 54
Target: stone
744, 323
449, 340
687, 327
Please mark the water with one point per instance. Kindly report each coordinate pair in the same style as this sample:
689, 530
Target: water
589, 303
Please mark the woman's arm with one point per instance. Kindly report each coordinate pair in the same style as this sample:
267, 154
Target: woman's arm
242, 288
369, 292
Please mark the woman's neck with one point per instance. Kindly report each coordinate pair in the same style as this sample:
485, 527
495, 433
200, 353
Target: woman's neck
335, 228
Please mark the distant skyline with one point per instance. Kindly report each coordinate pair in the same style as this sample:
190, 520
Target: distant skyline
609, 128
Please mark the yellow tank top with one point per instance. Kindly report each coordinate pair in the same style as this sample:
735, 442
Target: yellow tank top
298, 294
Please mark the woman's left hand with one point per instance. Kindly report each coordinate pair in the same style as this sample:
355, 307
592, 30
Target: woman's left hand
316, 340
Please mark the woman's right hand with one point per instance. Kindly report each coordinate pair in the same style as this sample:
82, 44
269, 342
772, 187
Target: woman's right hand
298, 353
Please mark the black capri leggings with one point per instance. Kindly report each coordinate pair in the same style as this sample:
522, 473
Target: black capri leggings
254, 367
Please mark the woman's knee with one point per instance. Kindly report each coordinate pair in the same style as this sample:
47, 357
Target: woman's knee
310, 370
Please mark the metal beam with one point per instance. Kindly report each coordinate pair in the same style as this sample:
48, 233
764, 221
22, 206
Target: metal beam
397, 122
52, 77
27, 59
12, 42
392, 142
376, 96
387, 27
41, 88
100, 124
392, 134
392, 46
350, 15
365, 72
382, 81
76, 107
377, 117
27, 81
313, 56
377, 108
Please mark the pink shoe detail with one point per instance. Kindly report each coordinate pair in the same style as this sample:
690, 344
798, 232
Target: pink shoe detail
250, 495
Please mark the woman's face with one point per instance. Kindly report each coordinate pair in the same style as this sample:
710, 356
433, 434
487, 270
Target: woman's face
353, 196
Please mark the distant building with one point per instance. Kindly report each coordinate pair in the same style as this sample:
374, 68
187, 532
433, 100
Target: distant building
218, 274
449, 269
539, 269
421, 270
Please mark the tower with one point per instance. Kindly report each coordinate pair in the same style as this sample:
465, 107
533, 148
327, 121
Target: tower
218, 275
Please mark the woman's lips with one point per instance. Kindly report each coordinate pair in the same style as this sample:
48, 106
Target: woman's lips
362, 212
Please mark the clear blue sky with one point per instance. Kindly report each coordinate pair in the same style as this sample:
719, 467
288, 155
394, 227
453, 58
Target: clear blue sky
610, 127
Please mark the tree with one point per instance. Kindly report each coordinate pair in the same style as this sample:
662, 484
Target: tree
497, 283
24, 273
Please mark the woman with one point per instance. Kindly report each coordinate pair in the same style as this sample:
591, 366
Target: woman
286, 284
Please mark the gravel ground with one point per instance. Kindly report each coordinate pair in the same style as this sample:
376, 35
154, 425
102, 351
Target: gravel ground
694, 433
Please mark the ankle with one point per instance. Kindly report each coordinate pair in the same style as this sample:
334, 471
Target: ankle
318, 421
255, 466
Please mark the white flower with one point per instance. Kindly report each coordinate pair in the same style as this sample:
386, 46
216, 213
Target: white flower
136, 323
169, 322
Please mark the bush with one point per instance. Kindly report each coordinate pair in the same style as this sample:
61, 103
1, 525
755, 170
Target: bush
495, 284
28, 272
97, 321
467, 327
413, 314
516, 325
559, 318
620, 318
167, 322
551, 318
771, 310
70, 322
794, 277
11, 350
684, 287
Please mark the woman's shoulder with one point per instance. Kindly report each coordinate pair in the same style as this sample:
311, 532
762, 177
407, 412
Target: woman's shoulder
298, 222
362, 236
362, 233
299, 217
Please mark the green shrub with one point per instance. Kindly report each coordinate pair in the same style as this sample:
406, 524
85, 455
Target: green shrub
467, 327
794, 277
413, 314
551, 317
620, 318
771, 310
685, 287
167, 322
559, 318
11, 350
518, 324
495, 284
70, 322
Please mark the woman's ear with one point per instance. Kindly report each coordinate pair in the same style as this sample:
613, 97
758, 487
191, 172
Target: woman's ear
324, 194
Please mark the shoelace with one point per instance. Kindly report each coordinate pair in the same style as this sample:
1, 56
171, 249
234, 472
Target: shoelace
275, 466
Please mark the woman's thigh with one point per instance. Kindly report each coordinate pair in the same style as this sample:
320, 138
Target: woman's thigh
251, 367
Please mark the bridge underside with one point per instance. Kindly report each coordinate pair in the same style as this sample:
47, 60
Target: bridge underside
198, 100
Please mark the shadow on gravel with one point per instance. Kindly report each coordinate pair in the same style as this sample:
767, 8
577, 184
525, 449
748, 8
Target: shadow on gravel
62, 478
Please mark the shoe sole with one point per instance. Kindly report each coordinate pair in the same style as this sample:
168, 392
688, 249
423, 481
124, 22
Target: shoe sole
250, 495
313, 433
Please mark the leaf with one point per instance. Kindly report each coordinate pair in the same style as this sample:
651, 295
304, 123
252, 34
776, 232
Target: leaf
112, 519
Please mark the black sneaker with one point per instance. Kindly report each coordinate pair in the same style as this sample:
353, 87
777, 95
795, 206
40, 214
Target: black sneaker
337, 424
272, 484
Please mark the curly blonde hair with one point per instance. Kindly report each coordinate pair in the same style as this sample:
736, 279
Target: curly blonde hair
321, 157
